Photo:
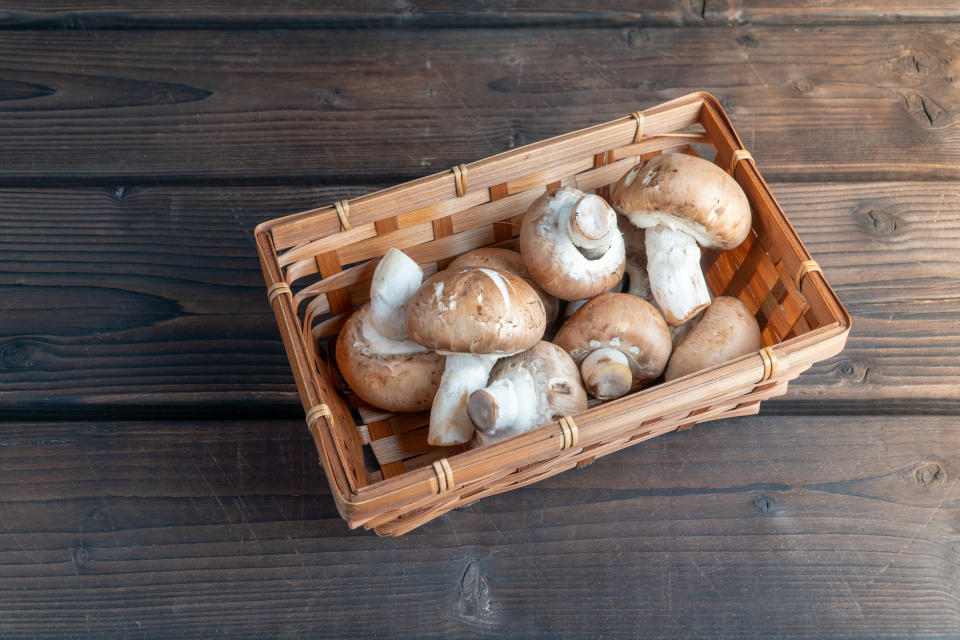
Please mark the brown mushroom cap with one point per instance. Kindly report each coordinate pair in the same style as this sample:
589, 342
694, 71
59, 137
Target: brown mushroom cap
507, 260
402, 381
727, 330
624, 322
552, 258
558, 388
685, 193
479, 311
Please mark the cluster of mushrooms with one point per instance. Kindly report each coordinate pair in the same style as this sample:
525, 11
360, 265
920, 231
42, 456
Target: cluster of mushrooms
468, 343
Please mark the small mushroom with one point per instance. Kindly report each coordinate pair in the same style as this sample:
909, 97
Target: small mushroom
682, 200
474, 317
570, 243
727, 330
526, 390
619, 341
374, 353
507, 260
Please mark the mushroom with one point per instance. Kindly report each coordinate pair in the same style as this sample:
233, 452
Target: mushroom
474, 317
507, 260
619, 341
374, 353
639, 283
682, 200
526, 390
570, 243
726, 331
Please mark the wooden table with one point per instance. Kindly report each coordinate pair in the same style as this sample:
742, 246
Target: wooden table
156, 476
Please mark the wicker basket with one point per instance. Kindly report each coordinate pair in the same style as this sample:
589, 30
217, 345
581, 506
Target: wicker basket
318, 265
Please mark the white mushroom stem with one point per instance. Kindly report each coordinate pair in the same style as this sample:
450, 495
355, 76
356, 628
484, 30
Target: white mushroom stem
591, 226
606, 373
510, 402
395, 281
463, 374
639, 281
673, 265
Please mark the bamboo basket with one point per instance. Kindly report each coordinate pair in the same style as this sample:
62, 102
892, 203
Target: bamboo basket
318, 265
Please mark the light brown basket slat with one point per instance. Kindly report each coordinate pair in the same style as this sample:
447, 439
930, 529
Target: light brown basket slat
379, 432
403, 239
494, 211
545, 177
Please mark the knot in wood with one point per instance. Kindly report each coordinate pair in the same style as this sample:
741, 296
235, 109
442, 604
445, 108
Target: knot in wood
877, 222
20, 355
930, 474
764, 503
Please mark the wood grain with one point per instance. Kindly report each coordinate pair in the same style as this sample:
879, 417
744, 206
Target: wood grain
786, 527
892, 251
154, 297
134, 14
302, 106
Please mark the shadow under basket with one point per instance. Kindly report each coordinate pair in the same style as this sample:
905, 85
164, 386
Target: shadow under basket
318, 265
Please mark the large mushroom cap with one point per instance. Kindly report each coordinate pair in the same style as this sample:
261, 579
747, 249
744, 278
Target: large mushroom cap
551, 229
623, 322
387, 374
506, 260
479, 311
727, 330
685, 193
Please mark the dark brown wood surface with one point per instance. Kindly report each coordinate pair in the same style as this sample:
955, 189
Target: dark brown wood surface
335, 106
762, 527
156, 477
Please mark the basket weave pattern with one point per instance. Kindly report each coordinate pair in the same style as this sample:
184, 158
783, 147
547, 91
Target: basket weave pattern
318, 266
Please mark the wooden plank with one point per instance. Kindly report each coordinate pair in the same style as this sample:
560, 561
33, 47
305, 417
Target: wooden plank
892, 252
153, 297
833, 528
133, 300
384, 105
140, 14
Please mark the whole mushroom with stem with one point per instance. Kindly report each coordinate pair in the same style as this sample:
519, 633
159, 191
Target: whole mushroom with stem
526, 390
570, 243
374, 353
682, 201
619, 341
474, 317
